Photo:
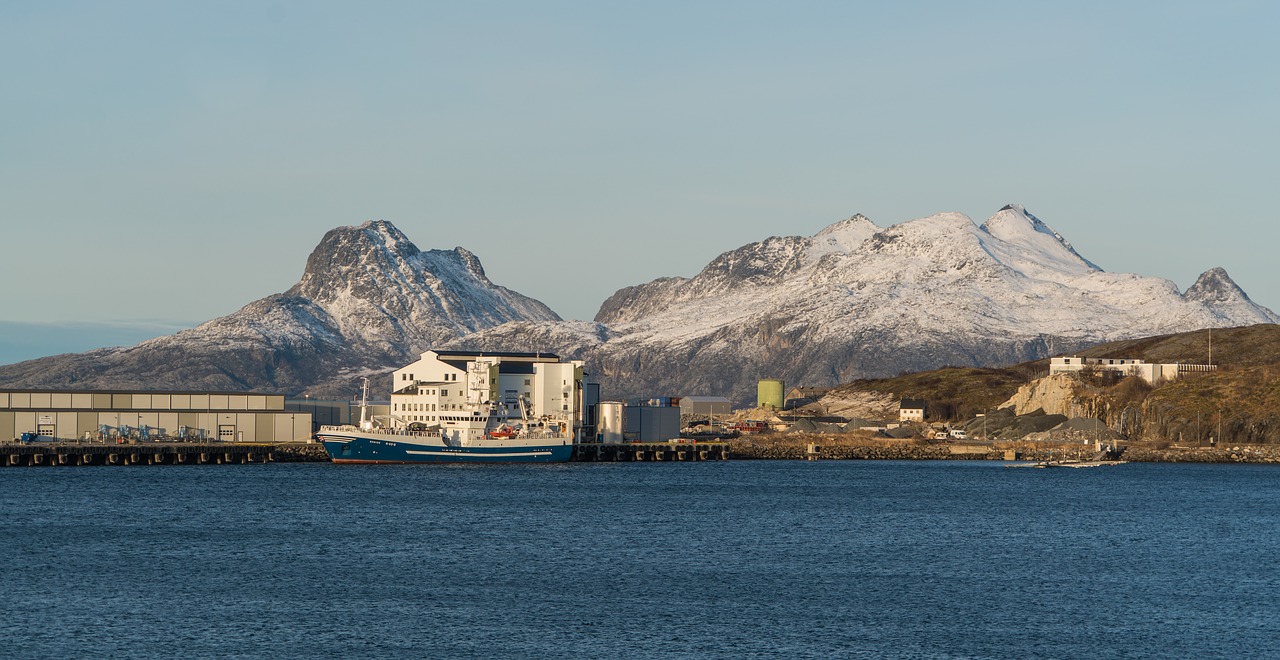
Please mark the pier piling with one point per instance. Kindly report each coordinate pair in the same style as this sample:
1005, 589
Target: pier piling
652, 452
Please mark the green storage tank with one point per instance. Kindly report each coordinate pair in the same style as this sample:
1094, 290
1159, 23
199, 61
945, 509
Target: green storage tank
770, 393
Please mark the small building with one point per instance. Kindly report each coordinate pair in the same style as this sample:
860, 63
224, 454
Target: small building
911, 410
652, 423
801, 396
705, 407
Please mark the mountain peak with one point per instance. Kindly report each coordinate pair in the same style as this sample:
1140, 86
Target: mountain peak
1215, 286
1014, 225
843, 236
349, 254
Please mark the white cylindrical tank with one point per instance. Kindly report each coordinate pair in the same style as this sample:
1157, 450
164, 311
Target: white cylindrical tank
611, 425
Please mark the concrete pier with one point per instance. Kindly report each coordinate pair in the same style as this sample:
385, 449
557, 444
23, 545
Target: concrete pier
53, 454
652, 451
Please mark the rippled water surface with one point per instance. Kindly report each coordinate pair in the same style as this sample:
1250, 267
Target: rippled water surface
733, 559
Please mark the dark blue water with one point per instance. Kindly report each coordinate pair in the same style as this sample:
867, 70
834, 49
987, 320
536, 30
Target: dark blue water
847, 559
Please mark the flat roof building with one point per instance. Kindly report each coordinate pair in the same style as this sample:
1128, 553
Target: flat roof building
102, 415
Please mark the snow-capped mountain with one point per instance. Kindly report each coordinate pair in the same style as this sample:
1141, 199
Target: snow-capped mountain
368, 302
855, 300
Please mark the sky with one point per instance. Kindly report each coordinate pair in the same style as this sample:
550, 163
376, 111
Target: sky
165, 163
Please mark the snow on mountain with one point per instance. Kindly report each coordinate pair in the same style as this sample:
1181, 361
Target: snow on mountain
1215, 290
1026, 244
368, 301
855, 300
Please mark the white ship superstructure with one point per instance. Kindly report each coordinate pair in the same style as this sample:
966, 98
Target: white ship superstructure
468, 392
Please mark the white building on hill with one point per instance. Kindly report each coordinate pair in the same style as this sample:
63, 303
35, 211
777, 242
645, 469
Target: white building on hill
1149, 372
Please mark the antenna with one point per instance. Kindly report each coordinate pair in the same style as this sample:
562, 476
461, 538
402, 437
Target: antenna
1211, 347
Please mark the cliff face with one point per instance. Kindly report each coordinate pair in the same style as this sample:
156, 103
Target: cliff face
1055, 395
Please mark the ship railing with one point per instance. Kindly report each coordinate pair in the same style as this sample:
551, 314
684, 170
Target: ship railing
386, 431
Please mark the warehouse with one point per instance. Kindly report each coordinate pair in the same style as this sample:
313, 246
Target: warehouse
154, 416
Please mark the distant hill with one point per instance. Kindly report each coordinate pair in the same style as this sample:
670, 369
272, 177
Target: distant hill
949, 393
1243, 394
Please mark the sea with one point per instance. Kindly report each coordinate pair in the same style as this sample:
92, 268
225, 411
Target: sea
735, 559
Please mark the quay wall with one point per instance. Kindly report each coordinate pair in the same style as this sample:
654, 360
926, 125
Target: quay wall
155, 453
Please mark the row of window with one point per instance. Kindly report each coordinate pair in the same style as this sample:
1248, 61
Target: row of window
442, 418
448, 377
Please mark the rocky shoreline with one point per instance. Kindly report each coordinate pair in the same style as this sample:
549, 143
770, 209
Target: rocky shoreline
826, 448
831, 448
300, 453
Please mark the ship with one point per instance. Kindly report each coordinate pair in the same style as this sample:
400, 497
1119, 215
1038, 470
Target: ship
463, 407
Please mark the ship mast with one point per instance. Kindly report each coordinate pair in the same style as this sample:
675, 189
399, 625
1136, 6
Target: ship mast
364, 405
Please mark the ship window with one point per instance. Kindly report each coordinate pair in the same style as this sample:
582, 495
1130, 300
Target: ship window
526, 381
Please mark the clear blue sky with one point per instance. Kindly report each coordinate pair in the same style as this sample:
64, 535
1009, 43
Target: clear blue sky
164, 163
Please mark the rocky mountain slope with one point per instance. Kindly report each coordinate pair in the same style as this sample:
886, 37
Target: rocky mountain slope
857, 301
368, 302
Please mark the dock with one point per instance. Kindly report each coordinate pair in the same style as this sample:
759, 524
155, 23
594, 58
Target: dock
151, 453
651, 451
53, 454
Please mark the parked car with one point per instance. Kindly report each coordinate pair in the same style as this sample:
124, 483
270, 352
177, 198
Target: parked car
958, 434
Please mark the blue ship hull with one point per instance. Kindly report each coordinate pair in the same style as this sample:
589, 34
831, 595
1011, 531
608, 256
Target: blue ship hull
356, 449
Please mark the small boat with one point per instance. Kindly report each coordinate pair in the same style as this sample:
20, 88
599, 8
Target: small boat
1066, 463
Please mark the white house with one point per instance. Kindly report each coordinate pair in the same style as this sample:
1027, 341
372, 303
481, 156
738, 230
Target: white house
911, 410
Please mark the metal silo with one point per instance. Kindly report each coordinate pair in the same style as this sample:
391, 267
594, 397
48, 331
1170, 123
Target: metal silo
770, 393
611, 424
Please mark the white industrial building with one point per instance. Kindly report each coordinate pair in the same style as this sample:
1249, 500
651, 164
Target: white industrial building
444, 386
156, 416
1150, 372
